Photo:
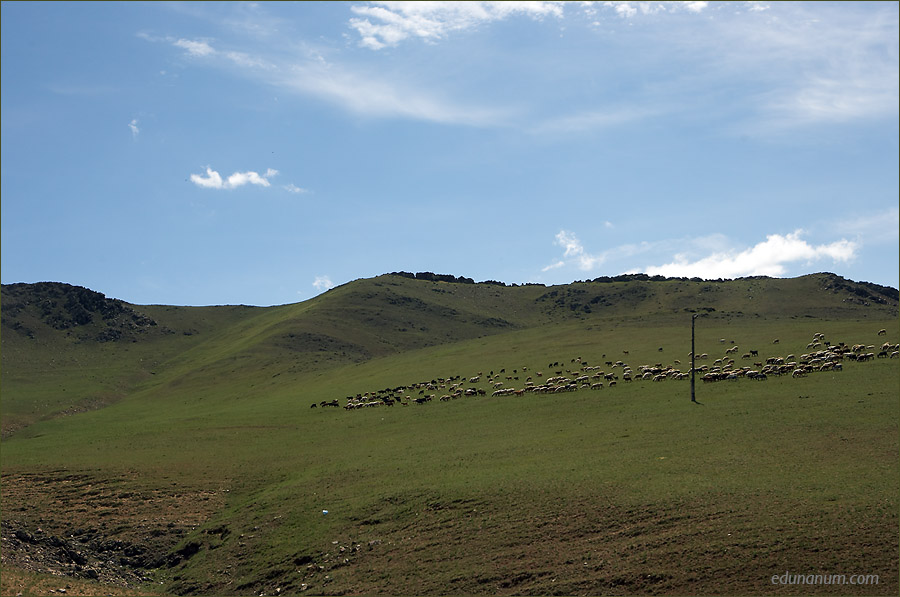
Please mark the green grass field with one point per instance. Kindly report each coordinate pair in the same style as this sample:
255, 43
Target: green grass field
631, 489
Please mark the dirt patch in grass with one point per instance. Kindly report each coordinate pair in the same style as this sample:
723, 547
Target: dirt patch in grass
90, 536
106, 532
590, 546
16, 582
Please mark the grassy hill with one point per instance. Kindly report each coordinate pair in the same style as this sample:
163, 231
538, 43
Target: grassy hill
179, 442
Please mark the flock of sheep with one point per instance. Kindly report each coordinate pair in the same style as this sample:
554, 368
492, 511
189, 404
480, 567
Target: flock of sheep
823, 356
829, 358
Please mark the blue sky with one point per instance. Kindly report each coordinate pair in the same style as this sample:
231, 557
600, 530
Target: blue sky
261, 153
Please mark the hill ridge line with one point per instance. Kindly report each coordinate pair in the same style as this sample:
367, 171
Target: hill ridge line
888, 291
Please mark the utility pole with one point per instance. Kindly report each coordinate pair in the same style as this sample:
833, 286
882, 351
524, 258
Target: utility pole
693, 368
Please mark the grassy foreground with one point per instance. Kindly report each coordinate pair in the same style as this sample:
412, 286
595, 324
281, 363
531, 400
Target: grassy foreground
626, 490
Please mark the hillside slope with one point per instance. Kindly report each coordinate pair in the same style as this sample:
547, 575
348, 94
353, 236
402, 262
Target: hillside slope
67, 349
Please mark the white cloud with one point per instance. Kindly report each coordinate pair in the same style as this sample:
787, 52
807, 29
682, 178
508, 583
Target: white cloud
386, 24
575, 254
631, 9
624, 9
203, 49
767, 258
575, 251
556, 265
195, 48
322, 283
292, 188
770, 257
570, 243
133, 125
241, 178
430, 21
213, 180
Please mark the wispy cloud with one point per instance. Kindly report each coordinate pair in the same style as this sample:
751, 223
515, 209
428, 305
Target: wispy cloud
213, 180
796, 66
292, 188
872, 228
812, 63
574, 253
767, 258
358, 90
372, 95
555, 265
246, 60
202, 49
387, 24
632, 9
194, 48
833, 97
133, 125
784, 66
322, 283
383, 24
779, 67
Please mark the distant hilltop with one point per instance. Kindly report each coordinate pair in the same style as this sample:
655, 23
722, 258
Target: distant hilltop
869, 290
27, 307
63, 307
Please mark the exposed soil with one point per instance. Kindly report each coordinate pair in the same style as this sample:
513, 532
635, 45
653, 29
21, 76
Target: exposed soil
75, 534
590, 548
86, 531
